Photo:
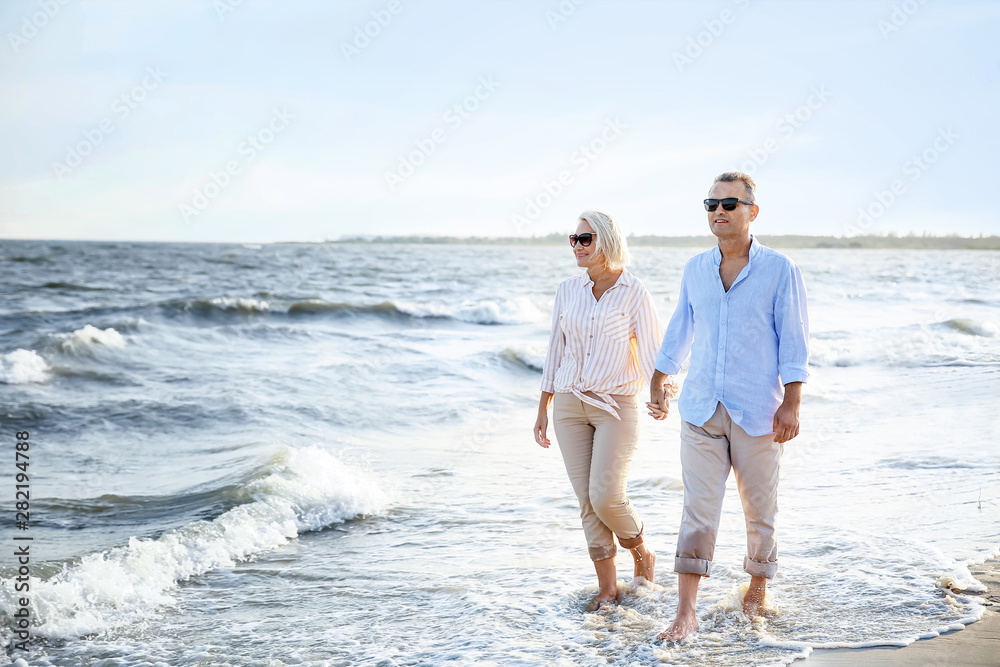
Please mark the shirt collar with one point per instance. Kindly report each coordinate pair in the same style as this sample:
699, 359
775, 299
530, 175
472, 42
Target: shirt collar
625, 278
754, 249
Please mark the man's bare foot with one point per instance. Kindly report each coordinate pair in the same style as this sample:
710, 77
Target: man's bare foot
603, 598
645, 563
753, 600
683, 625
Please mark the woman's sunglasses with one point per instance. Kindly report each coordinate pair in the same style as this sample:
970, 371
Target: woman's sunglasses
585, 239
728, 204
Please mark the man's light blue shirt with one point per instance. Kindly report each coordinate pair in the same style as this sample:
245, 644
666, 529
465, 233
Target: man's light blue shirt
744, 344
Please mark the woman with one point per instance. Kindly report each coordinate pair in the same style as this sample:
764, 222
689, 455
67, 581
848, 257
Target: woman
605, 335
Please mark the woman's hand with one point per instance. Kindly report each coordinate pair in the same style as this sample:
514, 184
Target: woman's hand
541, 426
542, 423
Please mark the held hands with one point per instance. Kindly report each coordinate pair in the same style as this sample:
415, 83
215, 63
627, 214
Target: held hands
661, 389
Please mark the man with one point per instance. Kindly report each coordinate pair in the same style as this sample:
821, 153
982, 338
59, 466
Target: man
742, 317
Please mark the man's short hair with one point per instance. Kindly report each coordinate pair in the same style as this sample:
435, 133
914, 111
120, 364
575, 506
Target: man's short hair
748, 183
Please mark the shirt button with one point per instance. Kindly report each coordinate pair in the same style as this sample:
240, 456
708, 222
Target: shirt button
723, 322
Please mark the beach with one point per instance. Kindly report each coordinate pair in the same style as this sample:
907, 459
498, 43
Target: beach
321, 454
976, 645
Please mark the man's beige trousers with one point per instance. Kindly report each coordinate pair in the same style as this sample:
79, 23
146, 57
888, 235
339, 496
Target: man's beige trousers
707, 453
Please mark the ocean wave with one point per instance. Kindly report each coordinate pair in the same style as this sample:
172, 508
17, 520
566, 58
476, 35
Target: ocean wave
320, 307
519, 310
969, 326
926, 463
484, 311
249, 306
529, 356
73, 287
222, 304
84, 341
957, 342
297, 490
23, 367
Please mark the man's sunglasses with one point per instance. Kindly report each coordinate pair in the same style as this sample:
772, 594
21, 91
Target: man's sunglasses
728, 204
585, 239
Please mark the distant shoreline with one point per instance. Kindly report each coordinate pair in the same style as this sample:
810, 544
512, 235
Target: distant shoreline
910, 242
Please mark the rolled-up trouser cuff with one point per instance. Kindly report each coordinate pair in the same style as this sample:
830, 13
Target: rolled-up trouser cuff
755, 569
692, 566
600, 553
631, 542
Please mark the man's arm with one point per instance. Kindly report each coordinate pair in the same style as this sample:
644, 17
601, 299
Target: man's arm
674, 350
791, 321
786, 419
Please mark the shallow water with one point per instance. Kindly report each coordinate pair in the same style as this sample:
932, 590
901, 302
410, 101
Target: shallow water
320, 454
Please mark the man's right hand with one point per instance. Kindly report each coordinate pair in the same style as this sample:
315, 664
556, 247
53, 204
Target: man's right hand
659, 403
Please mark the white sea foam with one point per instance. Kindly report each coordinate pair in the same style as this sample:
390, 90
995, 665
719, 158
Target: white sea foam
530, 356
302, 490
520, 310
955, 342
23, 367
249, 306
971, 327
89, 338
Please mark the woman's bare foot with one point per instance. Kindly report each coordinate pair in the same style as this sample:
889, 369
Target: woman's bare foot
753, 600
645, 562
607, 582
683, 625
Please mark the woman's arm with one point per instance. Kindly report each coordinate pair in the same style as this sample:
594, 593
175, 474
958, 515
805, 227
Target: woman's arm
557, 343
542, 422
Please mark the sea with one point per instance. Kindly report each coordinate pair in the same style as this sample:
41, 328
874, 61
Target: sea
320, 454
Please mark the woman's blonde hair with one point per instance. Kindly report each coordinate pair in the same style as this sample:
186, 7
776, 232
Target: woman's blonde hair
610, 241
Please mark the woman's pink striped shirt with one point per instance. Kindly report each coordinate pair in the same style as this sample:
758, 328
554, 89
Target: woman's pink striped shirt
604, 347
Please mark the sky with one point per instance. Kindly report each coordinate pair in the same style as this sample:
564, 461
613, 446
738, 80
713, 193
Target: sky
302, 120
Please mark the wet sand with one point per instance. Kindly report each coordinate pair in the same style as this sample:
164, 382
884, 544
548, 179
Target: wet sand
978, 645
